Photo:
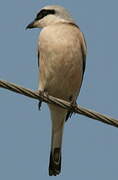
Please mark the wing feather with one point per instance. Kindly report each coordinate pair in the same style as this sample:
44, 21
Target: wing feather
84, 53
38, 57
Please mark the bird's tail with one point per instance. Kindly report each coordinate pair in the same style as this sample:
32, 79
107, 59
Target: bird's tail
58, 116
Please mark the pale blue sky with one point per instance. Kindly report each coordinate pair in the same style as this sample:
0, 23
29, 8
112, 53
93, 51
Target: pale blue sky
90, 148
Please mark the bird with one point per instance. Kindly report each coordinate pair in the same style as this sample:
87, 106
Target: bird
62, 54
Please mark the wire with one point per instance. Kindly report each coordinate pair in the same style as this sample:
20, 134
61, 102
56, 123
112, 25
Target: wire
59, 102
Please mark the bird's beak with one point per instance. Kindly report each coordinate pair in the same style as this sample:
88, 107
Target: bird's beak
31, 25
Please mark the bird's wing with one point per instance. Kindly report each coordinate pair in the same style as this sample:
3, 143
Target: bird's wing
84, 50
84, 53
38, 57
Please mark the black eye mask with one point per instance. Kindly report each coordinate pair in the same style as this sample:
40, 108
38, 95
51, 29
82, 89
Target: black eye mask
44, 12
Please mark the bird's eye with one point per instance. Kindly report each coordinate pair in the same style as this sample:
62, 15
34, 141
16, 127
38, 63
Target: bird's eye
44, 12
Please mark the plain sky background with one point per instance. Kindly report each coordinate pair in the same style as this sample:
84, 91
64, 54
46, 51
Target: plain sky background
90, 148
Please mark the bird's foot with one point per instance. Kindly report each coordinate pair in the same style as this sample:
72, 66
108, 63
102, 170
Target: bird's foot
40, 92
73, 104
55, 162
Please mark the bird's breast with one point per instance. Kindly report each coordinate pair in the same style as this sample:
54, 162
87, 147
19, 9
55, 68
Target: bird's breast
60, 62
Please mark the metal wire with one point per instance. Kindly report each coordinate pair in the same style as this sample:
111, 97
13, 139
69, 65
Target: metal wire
59, 102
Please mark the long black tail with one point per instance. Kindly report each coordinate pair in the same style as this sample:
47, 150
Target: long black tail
55, 162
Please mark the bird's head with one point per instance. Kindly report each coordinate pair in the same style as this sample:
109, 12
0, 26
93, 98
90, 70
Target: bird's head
50, 15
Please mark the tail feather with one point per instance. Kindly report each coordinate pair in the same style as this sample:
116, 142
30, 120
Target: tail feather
58, 116
55, 162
